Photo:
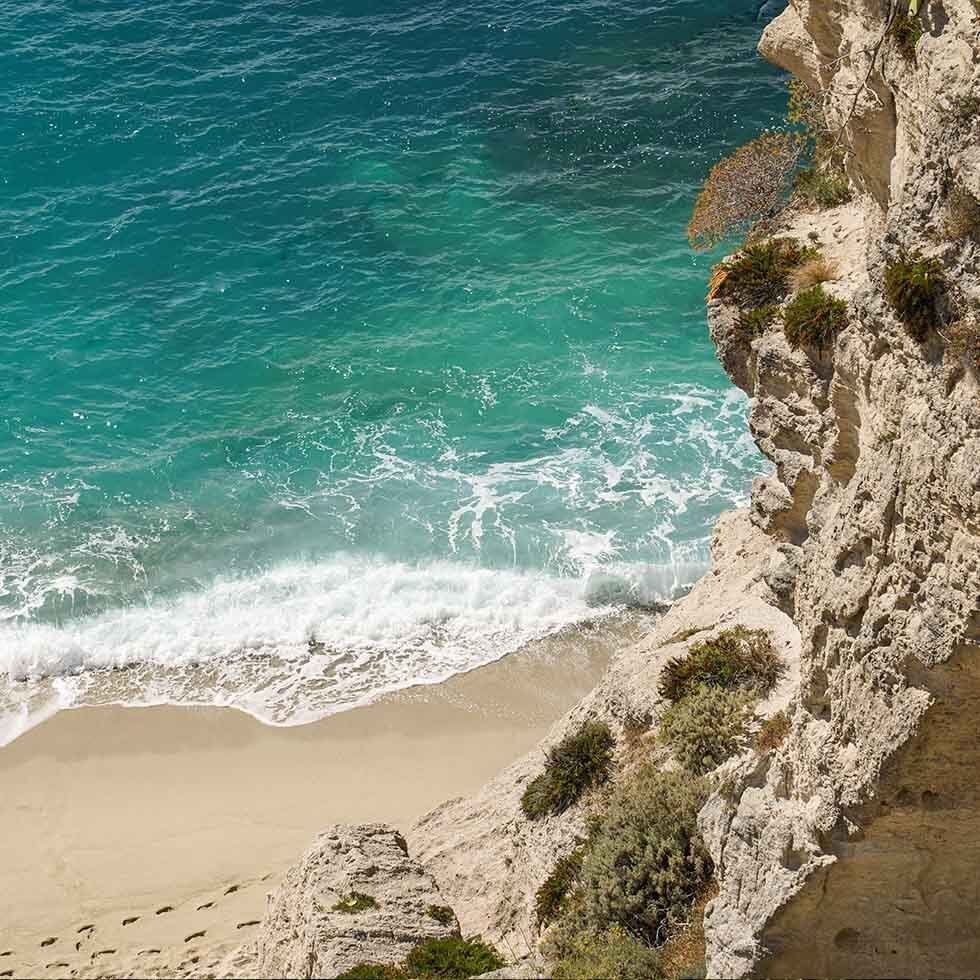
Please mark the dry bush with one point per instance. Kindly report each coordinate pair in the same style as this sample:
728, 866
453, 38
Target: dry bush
683, 954
964, 341
749, 185
773, 732
812, 273
962, 215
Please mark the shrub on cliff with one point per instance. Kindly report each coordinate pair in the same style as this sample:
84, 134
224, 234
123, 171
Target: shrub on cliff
452, 958
907, 31
823, 184
964, 341
814, 318
735, 658
574, 765
355, 902
556, 888
759, 274
647, 862
754, 323
914, 286
613, 953
962, 215
749, 185
773, 732
706, 727
374, 971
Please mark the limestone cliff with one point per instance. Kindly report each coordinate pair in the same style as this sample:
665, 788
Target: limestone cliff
854, 850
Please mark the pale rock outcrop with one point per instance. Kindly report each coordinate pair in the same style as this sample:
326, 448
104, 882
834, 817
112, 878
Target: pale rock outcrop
304, 935
852, 850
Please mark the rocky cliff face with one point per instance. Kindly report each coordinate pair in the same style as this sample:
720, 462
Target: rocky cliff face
854, 850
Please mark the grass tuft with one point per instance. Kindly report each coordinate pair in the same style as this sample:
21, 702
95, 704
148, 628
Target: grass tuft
706, 727
914, 286
574, 765
556, 888
759, 274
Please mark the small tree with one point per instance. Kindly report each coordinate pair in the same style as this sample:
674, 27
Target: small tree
745, 187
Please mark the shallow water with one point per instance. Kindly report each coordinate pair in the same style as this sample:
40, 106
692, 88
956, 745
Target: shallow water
354, 341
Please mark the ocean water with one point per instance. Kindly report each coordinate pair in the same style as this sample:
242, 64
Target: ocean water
346, 345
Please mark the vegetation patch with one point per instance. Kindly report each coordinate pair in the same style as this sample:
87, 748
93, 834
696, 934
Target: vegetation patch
964, 341
683, 955
355, 902
773, 732
962, 215
556, 888
647, 862
612, 953
759, 274
574, 765
823, 187
906, 31
452, 958
914, 286
824, 183
706, 727
814, 318
748, 185
735, 658
812, 273
374, 971
754, 323
443, 914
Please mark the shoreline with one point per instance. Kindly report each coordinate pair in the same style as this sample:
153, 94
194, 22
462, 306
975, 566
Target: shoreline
111, 813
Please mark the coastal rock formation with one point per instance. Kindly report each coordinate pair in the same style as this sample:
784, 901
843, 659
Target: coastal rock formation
487, 857
852, 851
355, 896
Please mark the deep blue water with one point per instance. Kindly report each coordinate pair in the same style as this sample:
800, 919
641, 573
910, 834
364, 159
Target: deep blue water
349, 344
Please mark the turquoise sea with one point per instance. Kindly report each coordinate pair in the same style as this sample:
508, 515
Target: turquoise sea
346, 345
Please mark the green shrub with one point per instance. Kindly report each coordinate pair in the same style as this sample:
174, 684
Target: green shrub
452, 958
556, 888
814, 318
574, 765
773, 732
373, 971
906, 31
823, 187
611, 954
706, 727
748, 185
736, 657
647, 862
759, 274
443, 914
754, 323
355, 902
913, 287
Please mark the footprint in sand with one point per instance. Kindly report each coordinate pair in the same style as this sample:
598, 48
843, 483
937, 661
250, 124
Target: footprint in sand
50, 941
103, 952
7, 952
54, 966
165, 908
130, 920
7, 973
206, 905
147, 952
196, 935
231, 889
251, 922
86, 928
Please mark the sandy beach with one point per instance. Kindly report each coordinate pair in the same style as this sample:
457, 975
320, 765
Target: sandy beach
144, 840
